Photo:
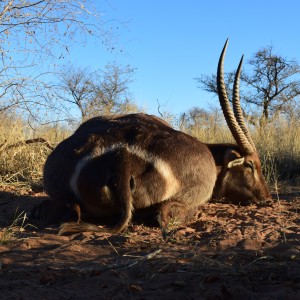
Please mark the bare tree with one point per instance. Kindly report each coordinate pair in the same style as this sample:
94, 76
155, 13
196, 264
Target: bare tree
271, 86
273, 82
204, 124
103, 92
195, 117
112, 91
208, 82
76, 88
35, 36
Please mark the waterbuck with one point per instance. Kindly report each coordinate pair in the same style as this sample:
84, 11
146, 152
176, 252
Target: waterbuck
115, 165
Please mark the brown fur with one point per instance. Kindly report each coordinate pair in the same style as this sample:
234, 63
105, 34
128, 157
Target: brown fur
139, 159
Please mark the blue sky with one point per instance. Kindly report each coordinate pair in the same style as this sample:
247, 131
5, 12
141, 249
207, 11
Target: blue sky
172, 42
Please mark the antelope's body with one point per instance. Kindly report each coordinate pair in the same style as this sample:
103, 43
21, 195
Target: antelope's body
130, 162
120, 164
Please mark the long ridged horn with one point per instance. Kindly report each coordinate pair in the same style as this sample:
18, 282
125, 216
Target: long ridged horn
231, 121
237, 110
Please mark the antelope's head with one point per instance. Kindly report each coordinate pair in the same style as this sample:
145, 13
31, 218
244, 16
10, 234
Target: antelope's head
241, 175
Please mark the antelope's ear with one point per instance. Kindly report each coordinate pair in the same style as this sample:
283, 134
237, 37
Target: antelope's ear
236, 162
233, 158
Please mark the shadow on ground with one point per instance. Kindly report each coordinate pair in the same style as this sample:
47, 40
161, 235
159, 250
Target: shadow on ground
231, 252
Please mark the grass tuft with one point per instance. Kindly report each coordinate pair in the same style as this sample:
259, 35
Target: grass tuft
18, 225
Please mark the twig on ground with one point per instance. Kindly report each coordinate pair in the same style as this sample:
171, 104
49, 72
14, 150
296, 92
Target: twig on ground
27, 142
267, 257
123, 265
112, 246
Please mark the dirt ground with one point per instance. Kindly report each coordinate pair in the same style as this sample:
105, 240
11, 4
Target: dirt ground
231, 252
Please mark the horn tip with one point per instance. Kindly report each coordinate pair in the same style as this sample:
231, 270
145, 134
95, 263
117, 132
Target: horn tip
241, 62
226, 43
223, 54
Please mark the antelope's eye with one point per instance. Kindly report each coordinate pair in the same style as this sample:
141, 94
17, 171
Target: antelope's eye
249, 164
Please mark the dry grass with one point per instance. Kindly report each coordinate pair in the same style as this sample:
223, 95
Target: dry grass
20, 162
278, 144
23, 163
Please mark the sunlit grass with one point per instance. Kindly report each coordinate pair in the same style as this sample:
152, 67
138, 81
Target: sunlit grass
278, 144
